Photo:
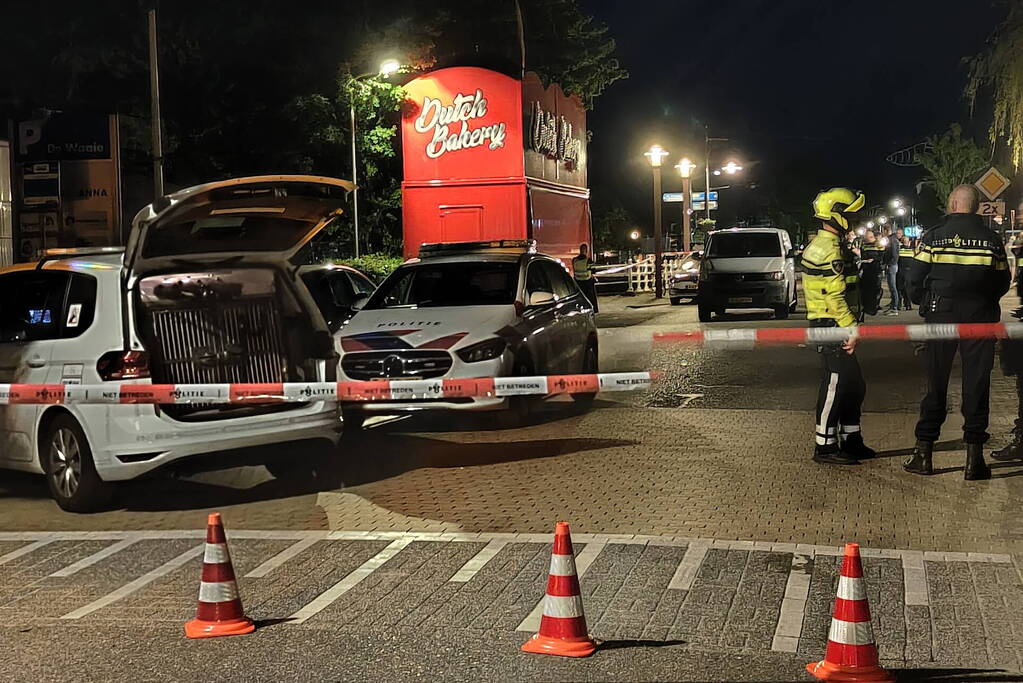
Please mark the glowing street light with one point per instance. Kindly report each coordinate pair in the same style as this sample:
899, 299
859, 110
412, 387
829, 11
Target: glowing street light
861, 231
882, 219
656, 155
731, 168
685, 169
900, 211
634, 235
870, 224
389, 66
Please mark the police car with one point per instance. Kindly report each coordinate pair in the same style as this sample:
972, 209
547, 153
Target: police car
202, 294
463, 310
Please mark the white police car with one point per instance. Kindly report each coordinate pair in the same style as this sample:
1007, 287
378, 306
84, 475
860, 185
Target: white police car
202, 294
477, 309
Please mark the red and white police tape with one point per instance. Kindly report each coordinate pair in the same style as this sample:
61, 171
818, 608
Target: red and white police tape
301, 392
750, 337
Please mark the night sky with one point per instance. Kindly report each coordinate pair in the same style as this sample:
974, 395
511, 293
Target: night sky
811, 93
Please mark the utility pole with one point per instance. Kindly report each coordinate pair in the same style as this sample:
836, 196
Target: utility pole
154, 93
355, 170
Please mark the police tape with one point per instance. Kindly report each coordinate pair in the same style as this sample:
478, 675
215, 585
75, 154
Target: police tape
751, 337
304, 392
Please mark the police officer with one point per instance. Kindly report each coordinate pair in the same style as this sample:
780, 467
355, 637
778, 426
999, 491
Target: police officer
582, 270
1012, 366
959, 274
831, 291
905, 265
871, 255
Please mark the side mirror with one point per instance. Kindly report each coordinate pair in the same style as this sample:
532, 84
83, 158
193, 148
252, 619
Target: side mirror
792, 253
359, 302
541, 298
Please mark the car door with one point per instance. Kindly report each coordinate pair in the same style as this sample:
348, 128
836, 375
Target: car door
540, 321
31, 303
73, 358
569, 329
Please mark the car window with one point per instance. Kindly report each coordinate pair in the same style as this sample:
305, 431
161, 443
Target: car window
81, 306
32, 305
744, 245
361, 284
481, 283
564, 286
538, 279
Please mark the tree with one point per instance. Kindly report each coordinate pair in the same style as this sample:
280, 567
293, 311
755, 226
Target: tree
1000, 68
950, 160
611, 227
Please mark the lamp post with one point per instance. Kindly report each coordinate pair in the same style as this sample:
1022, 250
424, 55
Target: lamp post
685, 169
656, 155
387, 67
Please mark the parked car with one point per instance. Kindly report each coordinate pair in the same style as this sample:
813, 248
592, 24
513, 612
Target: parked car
478, 309
747, 268
685, 282
200, 295
337, 290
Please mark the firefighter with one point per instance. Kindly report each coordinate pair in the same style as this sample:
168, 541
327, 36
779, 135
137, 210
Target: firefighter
959, 274
582, 270
831, 291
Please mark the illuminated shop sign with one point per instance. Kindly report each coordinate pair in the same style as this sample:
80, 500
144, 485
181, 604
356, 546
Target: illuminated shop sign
450, 125
551, 136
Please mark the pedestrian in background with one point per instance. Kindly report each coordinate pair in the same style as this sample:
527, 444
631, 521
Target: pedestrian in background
871, 255
892, 263
582, 271
959, 274
906, 253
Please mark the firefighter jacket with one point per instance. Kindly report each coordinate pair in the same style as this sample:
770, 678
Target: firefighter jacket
960, 271
830, 280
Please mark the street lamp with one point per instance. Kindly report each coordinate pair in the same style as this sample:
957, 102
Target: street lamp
387, 67
656, 155
901, 211
882, 219
634, 235
731, 168
685, 169
870, 224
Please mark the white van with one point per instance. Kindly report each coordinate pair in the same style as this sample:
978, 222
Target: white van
203, 294
747, 268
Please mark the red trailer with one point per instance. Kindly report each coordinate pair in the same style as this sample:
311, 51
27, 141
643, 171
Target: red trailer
487, 157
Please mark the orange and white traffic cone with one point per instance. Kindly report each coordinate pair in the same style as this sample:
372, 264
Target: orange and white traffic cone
220, 609
563, 625
851, 654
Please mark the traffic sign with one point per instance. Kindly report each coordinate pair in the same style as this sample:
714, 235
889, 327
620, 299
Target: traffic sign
992, 184
700, 206
672, 197
698, 196
991, 209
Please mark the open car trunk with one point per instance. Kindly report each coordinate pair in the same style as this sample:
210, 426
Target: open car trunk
213, 296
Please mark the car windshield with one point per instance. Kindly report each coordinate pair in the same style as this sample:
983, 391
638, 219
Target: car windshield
448, 284
744, 244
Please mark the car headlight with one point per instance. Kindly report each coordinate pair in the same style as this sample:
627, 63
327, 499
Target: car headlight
776, 275
484, 350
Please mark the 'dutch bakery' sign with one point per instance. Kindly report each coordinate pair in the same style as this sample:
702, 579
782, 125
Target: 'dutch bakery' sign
487, 156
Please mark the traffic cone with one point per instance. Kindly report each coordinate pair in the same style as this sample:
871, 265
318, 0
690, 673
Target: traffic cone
220, 609
851, 654
563, 626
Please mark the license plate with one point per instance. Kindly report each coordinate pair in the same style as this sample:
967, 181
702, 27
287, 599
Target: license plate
740, 300
684, 285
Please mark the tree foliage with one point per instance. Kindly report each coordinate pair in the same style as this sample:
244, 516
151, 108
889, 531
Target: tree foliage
950, 160
1000, 69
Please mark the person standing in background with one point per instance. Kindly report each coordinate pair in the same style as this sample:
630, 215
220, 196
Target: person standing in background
892, 264
582, 271
904, 266
871, 254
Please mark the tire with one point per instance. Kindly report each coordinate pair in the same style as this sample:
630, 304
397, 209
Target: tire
590, 367
70, 472
352, 420
520, 408
781, 312
704, 313
675, 301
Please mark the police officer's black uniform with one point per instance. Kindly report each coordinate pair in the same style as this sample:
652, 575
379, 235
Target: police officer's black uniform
871, 255
959, 275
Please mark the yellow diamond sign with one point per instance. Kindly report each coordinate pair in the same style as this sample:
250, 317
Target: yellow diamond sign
992, 183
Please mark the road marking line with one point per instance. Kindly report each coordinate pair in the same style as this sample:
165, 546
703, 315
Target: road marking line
325, 599
23, 550
793, 605
479, 561
94, 558
583, 561
914, 575
283, 556
689, 566
141, 582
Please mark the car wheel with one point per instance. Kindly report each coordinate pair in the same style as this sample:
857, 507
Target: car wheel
704, 313
520, 408
590, 367
781, 312
70, 472
352, 420
675, 301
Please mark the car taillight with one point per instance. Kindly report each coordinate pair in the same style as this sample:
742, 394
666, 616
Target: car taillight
119, 365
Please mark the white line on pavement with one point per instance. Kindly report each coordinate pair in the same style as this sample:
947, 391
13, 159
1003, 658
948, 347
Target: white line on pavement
914, 574
144, 580
583, 561
473, 566
689, 567
349, 582
23, 550
283, 556
793, 605
94, 558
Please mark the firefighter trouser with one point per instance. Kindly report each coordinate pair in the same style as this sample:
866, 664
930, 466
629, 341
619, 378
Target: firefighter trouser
978, 358
841, 395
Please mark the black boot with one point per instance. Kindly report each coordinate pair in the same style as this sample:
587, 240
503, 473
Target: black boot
920, 461
830, 455
976, 468
853, 445
1013, 450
